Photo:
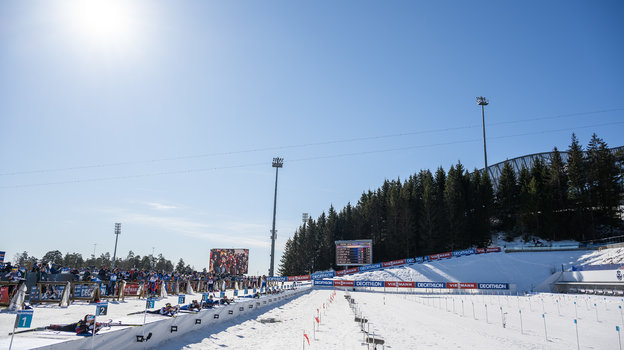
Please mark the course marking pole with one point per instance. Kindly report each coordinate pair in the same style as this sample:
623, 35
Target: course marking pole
578, 346
621, 317
596, 307
473, 311
545, 331
617, 328
463, 313
486, 315
521, 328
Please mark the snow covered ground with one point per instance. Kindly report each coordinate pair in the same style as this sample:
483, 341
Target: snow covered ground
405, 321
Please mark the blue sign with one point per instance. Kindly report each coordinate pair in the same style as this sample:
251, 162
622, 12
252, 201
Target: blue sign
254, 290
410, 261
235, 292
205, 296
369, 283
419, 259
326, 274
323, 282
24, 318
1, 257
277, 279
430, 285
493, 285
246, 291
181, 298
101, 309
150, 303
464, 252
222, 295
370, 267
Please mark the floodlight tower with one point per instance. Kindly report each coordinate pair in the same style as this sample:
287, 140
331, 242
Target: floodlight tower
117, 233
277, 163
304, 218
482, 101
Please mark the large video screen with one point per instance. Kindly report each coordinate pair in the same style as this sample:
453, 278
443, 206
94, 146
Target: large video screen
354, 253
229, 261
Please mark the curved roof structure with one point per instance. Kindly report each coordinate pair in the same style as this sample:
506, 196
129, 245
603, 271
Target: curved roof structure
527, 161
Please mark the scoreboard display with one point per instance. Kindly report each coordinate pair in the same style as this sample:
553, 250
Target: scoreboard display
354, 253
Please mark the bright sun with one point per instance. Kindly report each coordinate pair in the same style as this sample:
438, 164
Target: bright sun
103, 23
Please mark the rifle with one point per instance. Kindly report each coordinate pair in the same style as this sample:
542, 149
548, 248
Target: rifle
108, 324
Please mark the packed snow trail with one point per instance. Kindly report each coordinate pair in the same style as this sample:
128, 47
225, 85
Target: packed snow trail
283, 328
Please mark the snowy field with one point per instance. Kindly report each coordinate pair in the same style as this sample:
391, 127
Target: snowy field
409, 321
404, 321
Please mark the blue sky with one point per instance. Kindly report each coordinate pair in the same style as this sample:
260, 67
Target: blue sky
165, 115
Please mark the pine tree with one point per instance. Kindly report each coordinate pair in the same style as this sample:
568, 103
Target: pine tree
507, 199
558, 183
577, 189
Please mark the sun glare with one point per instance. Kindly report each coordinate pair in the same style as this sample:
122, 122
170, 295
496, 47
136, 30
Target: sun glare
103, 23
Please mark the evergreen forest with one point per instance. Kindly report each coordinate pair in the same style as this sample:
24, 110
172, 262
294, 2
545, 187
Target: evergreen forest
576, 197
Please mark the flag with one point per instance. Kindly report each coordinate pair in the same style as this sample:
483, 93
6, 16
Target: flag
317, 320
308, 339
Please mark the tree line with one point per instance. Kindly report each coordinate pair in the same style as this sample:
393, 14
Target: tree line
577, 198
131, 261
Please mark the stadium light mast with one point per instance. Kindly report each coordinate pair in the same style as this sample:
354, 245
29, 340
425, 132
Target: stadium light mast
117, 233
304, 218
482, 101
277, 163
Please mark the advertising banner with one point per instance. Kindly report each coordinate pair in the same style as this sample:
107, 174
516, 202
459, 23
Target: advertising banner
347, 271
131, 289
493, 286
321, 275
452, 285
430, 285
393, 263
299, 278
440, 256
369, 283
400, 284
419, 259
4, 295
465, 285
493, 249
370, 267
480, 250
1, 257
277, 279
340, 283
464, 252
323, 282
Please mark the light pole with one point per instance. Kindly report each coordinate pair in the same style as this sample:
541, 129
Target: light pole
117, 233
277, 163
482, 101
304, 218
